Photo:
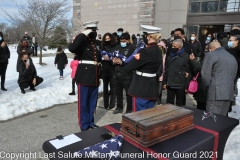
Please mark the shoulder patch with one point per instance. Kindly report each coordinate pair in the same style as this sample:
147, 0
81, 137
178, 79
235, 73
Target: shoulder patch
137, 56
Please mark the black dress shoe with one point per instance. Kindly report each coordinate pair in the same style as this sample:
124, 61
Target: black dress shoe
3, 89
22, 91
84, 129
111, 107
94, 126
118, 110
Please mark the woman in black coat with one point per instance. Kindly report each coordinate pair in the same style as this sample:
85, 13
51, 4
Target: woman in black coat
200, 96
23, 47
27, 74
61, 61
108, 44
4, 56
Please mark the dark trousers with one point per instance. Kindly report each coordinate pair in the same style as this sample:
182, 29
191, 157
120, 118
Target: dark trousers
160, 91
3, 68
73, 85
178, 93
123, 82
106, 81
61, 72
87, 102
201, 105
26, 84
34, 51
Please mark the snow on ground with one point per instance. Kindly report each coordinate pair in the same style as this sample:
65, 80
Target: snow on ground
52, 91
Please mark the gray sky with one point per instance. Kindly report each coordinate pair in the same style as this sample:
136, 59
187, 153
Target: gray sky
12, 9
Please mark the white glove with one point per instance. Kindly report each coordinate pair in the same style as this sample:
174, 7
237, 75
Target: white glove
86, 32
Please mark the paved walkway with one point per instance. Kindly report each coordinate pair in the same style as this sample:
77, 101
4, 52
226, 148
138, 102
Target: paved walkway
26, 134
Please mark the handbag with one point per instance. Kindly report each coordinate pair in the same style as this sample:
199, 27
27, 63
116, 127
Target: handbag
193, 85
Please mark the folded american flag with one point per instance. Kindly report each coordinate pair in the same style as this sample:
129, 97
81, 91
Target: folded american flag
109, 149
104, 53
141, 46
118, 55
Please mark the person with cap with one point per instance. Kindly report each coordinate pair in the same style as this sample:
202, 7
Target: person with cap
86, 47
148, 66
119, 33
175, 78
122, 80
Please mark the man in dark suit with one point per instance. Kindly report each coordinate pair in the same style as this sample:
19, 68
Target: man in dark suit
86, 47
218, 73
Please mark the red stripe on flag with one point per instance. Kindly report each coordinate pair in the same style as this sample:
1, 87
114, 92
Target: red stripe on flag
216, 134
147, 150
134, 104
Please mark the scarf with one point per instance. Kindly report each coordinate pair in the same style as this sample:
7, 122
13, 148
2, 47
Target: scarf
178, 53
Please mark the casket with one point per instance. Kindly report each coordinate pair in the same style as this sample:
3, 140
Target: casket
157, 124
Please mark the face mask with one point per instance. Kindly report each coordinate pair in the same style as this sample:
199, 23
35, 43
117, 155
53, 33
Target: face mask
107, 42
230, 44
138, 37
0, 38
93, 35
119, 34
174, 50
208, 38
123, 44
192, 38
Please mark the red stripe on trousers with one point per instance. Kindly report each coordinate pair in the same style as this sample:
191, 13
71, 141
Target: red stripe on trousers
79, 105
216, 134
147, 150
134, 104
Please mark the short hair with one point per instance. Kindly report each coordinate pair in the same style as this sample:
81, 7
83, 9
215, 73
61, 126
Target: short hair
120, 29
180, 30
125, 35
59, 48
23, 54
138, 34
178, 41
172, 32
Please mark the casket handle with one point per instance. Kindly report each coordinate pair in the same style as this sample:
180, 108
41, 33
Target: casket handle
131, 132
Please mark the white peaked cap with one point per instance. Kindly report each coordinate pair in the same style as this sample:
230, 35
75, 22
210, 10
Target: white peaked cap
150, 29
90, 24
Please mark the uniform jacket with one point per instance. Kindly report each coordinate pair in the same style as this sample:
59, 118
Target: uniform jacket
86, 49
19, 51
73, 66
149, 62
26, 75
61, 60
4, 53
218, 73
126, 51
107, 66
175, 71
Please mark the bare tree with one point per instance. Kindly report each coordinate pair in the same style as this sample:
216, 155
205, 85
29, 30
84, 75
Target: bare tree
41, 17
3, 27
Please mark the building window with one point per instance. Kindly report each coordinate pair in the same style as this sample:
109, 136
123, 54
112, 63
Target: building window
194, 7
208, 6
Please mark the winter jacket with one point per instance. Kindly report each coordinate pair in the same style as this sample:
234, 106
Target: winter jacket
4, 53
19, 51
26, 75
175, 71
197, 46
73, 66
61, 60
107, 66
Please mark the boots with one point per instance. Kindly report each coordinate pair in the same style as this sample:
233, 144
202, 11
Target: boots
72, 93
73, 88
22, 91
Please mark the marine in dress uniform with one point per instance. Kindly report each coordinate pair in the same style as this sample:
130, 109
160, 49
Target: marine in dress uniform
148, 66
86, 47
